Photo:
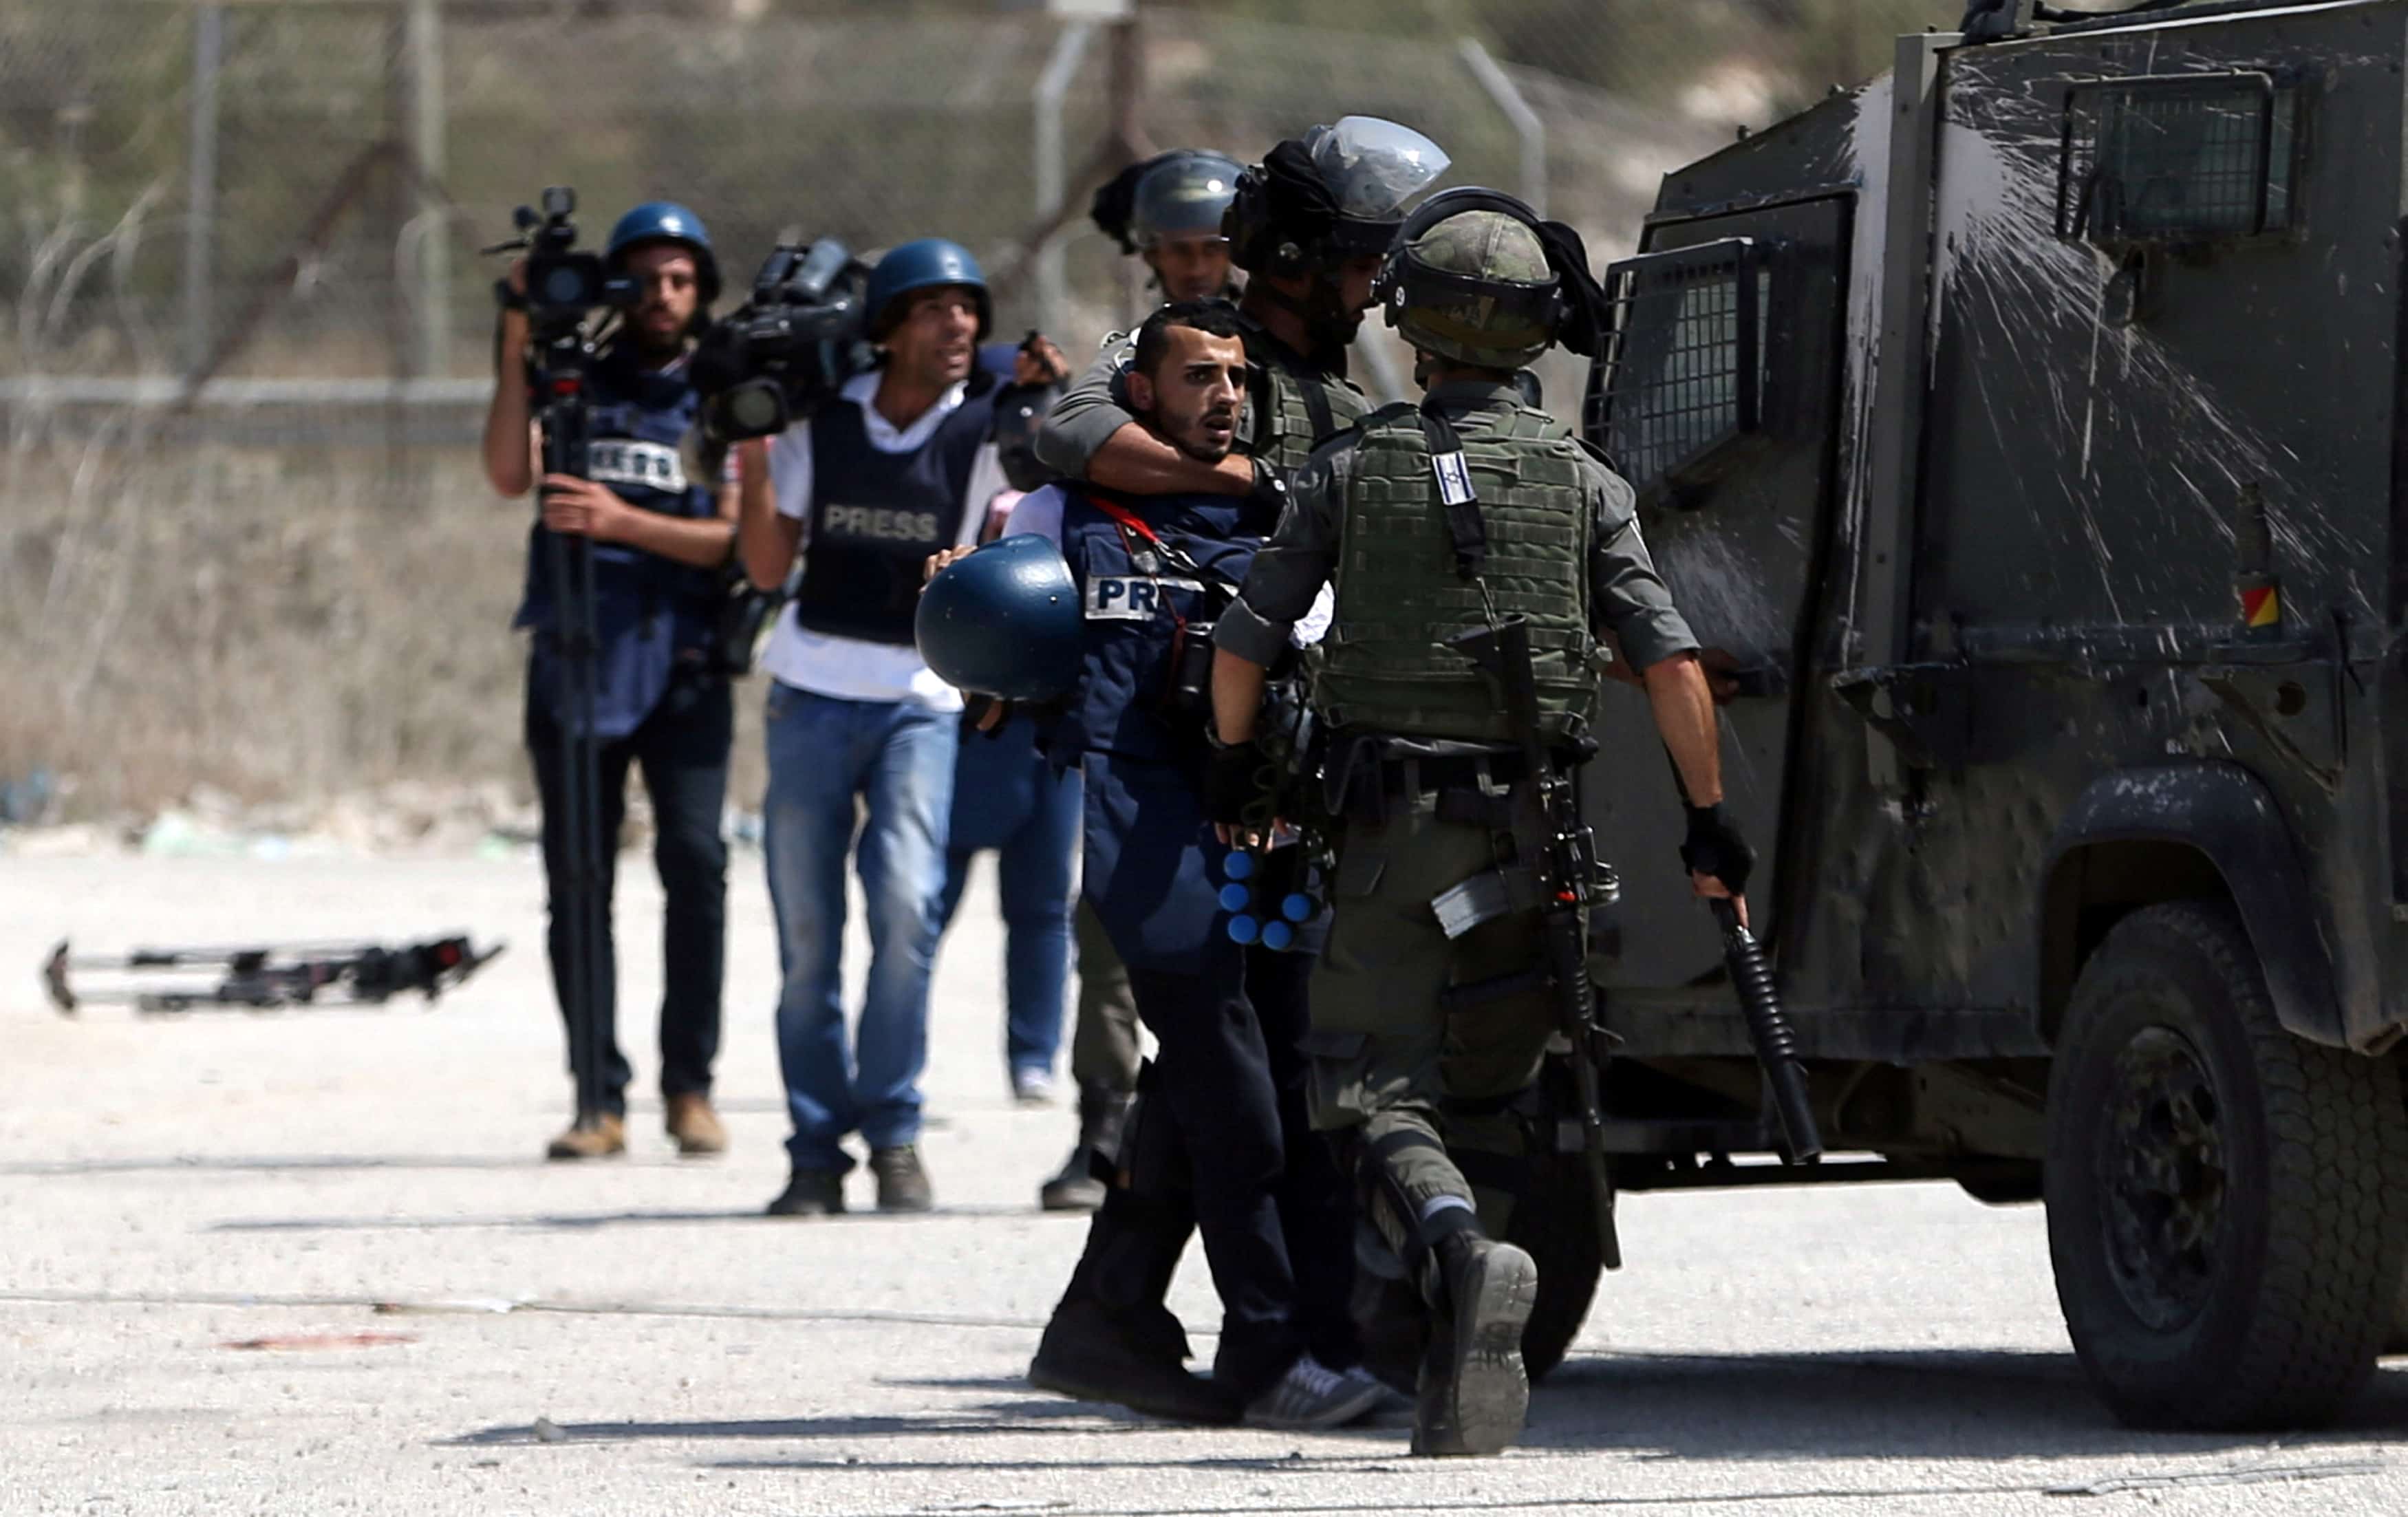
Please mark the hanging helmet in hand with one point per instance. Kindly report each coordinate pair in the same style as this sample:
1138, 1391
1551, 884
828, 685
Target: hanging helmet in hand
1003, 622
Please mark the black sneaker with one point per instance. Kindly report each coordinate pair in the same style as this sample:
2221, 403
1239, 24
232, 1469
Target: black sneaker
1087, 1356
812, 1193
1474, 1393
902, 1184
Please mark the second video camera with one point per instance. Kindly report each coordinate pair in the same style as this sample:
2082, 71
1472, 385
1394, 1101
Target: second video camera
564, 285
788, 349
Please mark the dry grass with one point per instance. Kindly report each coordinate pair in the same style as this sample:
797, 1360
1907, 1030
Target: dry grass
283, 625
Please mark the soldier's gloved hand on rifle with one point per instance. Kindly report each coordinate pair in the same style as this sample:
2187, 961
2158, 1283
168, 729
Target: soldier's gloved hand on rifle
1717, 857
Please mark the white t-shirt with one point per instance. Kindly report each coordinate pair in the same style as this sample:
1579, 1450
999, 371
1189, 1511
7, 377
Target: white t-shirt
850, 668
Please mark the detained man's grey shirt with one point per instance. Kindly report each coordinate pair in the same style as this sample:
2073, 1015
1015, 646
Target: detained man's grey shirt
1627, 597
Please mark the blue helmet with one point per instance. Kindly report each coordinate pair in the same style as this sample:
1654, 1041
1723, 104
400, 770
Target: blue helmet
918, 264
666, 221
1003, 622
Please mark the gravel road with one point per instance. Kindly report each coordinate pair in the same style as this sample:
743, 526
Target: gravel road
312, 1261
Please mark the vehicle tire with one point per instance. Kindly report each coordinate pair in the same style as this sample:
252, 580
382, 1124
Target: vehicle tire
2227, 1253
1556, 1224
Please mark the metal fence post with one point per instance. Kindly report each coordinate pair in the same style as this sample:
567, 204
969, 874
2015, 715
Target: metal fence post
201, 185
433, 245
1507, 97
1052, 173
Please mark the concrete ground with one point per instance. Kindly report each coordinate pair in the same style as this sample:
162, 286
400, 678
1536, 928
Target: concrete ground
312, 1262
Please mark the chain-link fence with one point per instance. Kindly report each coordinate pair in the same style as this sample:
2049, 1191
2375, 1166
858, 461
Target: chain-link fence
289, 577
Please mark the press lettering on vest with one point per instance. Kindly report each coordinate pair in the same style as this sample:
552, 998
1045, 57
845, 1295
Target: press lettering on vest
1118, 598
646, 465
879, 523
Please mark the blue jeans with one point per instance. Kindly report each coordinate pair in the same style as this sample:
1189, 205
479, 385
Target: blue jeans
1007, 797
897, 758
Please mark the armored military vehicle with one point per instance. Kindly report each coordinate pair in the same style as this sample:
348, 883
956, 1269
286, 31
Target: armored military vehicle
2025, 430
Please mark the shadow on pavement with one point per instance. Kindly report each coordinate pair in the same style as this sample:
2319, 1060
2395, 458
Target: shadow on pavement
1036, 1414
1715, 1409
268, 1163
571, 1220
1909, 1404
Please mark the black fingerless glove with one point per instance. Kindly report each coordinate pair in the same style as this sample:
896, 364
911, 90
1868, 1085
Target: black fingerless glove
508, 298
1715, 849
1233, 782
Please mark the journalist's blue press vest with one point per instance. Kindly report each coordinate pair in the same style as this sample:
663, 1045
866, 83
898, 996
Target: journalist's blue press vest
650, 612
1135, 604
874, 517
1151, 865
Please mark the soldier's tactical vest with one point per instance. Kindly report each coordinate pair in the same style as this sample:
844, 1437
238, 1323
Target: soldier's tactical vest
1384, 665
1290, 410
650, 613
874, 517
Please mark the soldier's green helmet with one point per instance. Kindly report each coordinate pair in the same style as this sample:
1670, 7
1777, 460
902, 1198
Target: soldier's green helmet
1468, 278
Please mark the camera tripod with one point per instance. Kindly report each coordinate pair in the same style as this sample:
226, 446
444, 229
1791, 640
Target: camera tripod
564, 289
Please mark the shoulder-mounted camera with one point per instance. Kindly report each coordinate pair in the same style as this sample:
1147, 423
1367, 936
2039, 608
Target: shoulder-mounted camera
775, 359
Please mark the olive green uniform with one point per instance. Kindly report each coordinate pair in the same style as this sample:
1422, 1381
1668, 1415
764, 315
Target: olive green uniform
1421, 1082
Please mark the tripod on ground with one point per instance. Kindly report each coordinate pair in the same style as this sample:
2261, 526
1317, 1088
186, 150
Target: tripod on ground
564, 288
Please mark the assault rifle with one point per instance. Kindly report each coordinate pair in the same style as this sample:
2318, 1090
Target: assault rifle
1558, 854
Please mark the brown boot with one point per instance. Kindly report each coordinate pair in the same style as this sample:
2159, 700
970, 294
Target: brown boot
597, 1138
694, 1125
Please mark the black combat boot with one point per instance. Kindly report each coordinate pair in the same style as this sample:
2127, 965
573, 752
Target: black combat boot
1079, 1186
1474, 1393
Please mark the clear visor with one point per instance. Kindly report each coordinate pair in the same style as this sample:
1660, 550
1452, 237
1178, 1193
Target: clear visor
1373, 166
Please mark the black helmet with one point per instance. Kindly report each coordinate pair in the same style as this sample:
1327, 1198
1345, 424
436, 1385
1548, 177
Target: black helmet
1003, 622
1020, 411
1335, 194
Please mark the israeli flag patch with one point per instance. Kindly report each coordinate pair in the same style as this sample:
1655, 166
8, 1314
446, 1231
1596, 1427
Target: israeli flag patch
1454, 479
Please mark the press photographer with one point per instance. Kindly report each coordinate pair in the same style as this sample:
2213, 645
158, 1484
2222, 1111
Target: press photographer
900, 463
624, 600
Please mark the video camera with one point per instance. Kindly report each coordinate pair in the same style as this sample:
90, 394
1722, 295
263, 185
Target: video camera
564, 286
778, 357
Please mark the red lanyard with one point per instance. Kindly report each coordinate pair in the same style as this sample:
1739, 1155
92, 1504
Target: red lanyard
1128, 522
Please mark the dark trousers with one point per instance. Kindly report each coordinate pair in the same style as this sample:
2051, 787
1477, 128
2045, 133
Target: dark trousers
1263, 1188
682, 749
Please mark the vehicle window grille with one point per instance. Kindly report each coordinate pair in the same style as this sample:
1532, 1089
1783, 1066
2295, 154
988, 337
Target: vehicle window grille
1683, 369
2177, 158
